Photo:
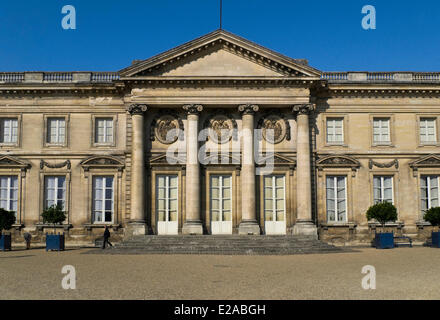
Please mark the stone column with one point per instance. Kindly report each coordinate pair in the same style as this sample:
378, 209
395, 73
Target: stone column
137, 225
249, 224
193, 222
304, 223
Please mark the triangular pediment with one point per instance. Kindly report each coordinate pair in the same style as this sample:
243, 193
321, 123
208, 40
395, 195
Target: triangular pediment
102, 162
430, 161
220, 54
339, 161
13, 162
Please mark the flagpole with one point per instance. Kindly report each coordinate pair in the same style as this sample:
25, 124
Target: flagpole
221, 14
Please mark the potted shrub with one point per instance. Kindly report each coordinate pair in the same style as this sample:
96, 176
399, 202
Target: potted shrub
383, 212
54, 215
433, 216
7, 219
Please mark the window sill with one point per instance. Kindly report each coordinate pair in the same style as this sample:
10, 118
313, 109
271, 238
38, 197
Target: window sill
383, 145
104, 145
327, 225
374, 225
90, 226
41, 226
428, 145
333, 145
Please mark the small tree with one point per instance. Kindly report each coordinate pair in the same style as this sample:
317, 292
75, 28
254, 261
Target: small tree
54, 215
7, 219
382, 212
432, 215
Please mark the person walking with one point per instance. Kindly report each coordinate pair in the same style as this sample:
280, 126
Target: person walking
27, 237
106, 237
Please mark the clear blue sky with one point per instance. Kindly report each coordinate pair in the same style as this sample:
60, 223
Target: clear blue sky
111, 33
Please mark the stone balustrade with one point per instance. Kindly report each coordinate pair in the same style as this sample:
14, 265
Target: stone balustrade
413, 77
58, 77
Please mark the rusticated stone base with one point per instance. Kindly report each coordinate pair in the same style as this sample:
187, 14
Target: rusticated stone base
249, 228
192, 227
305, 228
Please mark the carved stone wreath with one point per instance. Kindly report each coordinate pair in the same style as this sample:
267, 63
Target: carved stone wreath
220, 128
274, 128
163, 124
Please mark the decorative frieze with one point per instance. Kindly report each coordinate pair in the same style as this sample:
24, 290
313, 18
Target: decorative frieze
66, 164
372, 163
164, 122
221, 127
278, 124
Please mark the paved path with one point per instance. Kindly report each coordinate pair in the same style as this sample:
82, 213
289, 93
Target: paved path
404, 273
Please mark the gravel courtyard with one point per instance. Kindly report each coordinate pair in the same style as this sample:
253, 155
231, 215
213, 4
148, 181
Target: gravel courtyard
403, 273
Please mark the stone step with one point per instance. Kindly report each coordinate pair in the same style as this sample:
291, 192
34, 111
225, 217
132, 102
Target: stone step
231, 244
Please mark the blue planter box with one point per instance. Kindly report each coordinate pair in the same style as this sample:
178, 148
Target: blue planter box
436, 239
5, 242
384, 240
54, 242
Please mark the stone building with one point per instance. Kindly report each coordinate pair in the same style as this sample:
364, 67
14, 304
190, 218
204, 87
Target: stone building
101, 145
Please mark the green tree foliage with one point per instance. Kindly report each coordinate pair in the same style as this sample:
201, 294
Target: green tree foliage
382, 212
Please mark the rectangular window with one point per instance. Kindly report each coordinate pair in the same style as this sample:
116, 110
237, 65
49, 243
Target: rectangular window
8, 131
335, 130
336, 199
55, 191
9, 193
274, 198
381, 131
104, 130
56, 130
429, 186
167, 197
428, 130
221, 198
103, 203
383, 189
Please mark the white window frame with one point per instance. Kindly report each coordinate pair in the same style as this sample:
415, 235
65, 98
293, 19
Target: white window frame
9, 188
382, 188
335, 199
334, 135
220, 198
167, 198
57, 132
10, 133
46, 200
274, 197
107, 139
425, 120
103, 199
381, 120
428, 187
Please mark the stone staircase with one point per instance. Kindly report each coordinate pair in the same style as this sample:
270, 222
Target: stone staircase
223, 245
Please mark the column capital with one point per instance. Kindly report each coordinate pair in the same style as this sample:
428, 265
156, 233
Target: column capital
193, 108
303, 108
248, 108
137, 109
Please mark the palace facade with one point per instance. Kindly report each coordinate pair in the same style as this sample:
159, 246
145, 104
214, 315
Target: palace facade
124, 148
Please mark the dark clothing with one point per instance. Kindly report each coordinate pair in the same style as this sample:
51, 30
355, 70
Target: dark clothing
106, 237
